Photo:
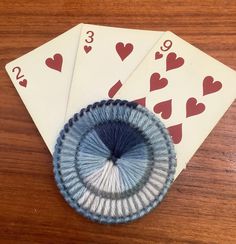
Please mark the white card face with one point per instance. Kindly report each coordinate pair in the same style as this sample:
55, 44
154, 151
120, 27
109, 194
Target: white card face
187, 89
42, 78
106, 56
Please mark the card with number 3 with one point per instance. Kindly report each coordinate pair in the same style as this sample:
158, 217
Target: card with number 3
187, 89
106, 57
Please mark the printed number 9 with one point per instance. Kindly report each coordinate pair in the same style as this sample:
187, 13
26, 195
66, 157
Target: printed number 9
166, 45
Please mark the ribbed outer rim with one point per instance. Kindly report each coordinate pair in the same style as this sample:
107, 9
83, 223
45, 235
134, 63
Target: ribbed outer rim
59, 145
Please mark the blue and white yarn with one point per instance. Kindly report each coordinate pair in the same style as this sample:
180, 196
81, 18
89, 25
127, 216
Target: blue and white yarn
114, 161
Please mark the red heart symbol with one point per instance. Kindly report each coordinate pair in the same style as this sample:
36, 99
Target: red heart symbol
156, 82
193, 108
55, 62
158, 55
87, 49
165, 108
114, 89
23, 82
124, 50
141, 101
176, 133
210, 86
172, 62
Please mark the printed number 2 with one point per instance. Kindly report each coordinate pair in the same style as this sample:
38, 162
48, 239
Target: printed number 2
18, 72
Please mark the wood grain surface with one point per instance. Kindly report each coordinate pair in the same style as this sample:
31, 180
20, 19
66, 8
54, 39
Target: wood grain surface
200, 206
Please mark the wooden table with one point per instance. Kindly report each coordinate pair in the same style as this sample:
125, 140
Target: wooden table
201, 205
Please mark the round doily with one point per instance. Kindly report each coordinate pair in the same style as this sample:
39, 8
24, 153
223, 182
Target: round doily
114, 161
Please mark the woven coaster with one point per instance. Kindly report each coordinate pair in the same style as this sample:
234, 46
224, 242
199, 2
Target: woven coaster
114, 161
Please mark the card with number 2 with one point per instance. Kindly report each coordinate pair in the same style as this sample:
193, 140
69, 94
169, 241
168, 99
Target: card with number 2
42, 78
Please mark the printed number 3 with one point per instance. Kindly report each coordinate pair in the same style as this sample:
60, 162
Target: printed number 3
90, 34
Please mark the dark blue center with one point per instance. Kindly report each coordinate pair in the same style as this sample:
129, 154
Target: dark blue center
113, 158
119, 137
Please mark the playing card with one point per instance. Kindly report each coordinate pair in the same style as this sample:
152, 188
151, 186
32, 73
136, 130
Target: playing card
106, 56
42, 78
187, 89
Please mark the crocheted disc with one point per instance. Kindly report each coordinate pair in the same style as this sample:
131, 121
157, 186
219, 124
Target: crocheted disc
114, 161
